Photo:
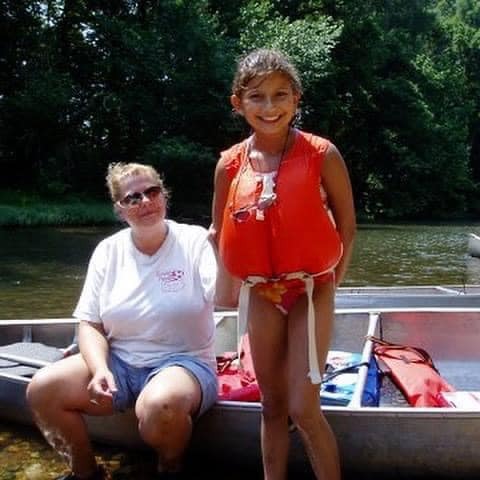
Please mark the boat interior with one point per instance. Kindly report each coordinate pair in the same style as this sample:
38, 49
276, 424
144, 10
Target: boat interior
451, 338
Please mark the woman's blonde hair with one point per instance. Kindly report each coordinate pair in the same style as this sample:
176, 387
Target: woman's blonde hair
118, 171
264, 61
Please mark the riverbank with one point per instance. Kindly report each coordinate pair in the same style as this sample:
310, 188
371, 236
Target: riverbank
20, 209
32, 211
52, 214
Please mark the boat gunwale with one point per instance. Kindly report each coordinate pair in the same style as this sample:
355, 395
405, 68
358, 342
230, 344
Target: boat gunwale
219, 315
397, 290
418, 412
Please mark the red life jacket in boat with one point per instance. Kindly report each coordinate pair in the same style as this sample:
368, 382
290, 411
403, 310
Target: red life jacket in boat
296, 234
413, 372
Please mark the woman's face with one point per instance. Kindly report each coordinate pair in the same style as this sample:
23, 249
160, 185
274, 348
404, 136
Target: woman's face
268, 103
142, 202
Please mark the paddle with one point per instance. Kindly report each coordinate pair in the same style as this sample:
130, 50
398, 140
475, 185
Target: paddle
30, 362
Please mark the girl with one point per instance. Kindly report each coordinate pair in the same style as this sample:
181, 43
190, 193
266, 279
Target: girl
284, 222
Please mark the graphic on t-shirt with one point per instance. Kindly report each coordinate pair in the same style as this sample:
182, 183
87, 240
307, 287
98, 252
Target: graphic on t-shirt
171, 281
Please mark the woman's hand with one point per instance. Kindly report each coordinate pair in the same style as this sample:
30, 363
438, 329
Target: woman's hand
101, 387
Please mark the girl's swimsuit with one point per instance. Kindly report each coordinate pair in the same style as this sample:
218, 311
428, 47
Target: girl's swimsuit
285, 293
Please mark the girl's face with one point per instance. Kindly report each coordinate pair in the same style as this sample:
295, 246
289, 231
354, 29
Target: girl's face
142, 203
268, 103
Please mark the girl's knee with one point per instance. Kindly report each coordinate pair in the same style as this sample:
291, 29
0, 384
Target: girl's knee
305, 413
274, 407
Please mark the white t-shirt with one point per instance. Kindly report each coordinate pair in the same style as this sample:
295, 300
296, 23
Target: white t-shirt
155, 305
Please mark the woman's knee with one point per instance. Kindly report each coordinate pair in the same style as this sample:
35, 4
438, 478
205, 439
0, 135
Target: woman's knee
43, 388
58, 384
160, 416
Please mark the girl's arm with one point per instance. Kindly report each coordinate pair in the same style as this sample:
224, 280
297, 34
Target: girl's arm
220, 193
227, 287
336, 182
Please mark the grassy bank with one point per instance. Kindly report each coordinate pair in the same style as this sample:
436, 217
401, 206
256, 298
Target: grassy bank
29, 210
19, 209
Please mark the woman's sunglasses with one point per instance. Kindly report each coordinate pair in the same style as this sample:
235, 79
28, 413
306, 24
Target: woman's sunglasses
135, 198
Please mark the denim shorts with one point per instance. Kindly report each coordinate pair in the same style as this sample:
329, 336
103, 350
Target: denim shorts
131, 380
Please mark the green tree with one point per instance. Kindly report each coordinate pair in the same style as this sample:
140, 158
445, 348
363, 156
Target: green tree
460, 20
392, 121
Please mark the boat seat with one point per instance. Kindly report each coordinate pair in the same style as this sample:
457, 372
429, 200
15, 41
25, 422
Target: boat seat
30, 350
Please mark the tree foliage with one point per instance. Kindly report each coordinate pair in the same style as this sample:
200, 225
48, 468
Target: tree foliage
395, 84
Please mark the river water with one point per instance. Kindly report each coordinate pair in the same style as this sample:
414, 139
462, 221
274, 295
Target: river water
42, 270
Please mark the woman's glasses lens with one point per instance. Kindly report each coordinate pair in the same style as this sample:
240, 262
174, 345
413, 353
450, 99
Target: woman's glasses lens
135, 198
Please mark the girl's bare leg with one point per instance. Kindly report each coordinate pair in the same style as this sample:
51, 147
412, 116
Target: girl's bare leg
267, 329
304, 400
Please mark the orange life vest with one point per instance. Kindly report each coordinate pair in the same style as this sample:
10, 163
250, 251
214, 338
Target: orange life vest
296, 233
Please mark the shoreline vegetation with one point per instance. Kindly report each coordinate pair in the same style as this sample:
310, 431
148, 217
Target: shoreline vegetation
32, 210
56, 214
75, 211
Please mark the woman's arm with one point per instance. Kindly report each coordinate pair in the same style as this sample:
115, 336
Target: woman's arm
93, 345
227, 287
94, 348
92, 340
336, 182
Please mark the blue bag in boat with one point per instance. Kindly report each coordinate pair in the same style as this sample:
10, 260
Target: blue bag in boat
341, 377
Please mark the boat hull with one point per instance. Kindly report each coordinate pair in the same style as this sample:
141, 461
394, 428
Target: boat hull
392, 443
474, 245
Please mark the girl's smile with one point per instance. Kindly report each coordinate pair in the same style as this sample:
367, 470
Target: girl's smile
268, 103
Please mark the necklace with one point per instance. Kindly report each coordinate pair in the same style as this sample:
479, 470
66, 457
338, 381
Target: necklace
268, 181
264, 162
265, 178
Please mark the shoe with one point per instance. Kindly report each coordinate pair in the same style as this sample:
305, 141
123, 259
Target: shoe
100, 474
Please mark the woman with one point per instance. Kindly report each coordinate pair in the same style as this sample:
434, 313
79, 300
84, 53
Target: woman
145, 335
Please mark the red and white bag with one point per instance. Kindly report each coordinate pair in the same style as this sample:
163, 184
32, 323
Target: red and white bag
236, 379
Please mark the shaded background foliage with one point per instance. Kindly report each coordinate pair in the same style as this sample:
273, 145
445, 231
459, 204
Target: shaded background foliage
395, 84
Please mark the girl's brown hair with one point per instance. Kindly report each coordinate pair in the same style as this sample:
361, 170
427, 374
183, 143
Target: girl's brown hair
261, 62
